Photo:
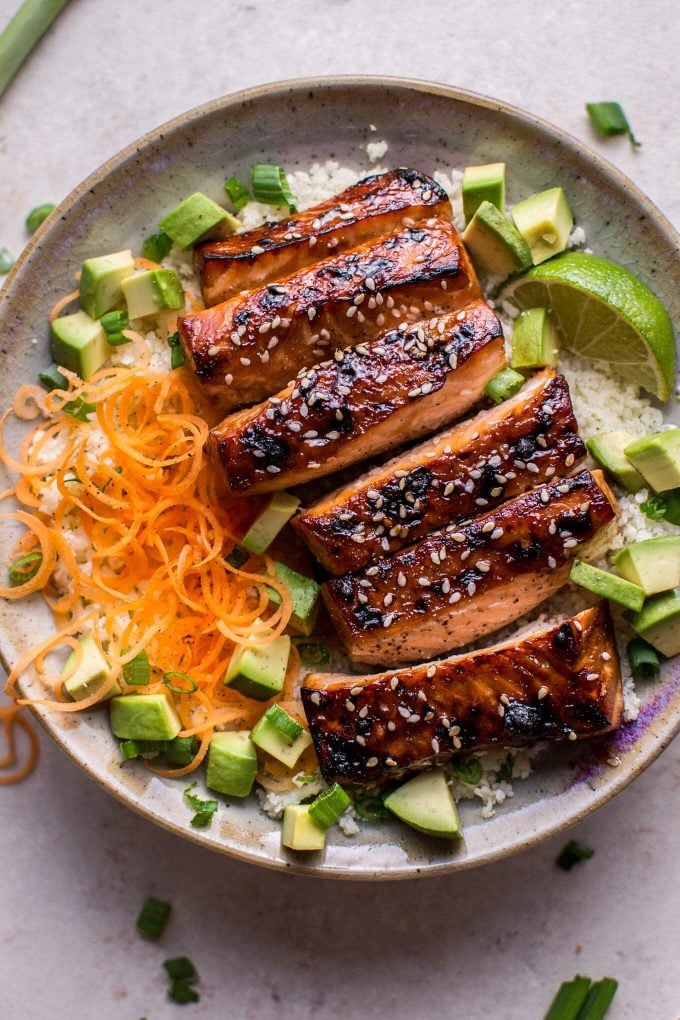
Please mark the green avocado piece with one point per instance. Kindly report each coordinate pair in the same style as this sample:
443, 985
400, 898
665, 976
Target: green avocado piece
269, 522
653, 564
426, 804
232, 763
304, 593
268, 738
609, 586
657, 458
258, 671
101, 279
495, 246
151, 292
299, 831
658, 622
144, 717
198, 218
91, 674
483, 184
607, 449
79, 343
545, 222
535, 343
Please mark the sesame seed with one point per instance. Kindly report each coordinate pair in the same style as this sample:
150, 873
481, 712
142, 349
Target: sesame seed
605, 656
448, 488
552, 562
273, 469
542, 693
501, 711
394, 683
404, 712
360, 740
352, 310
483, 565
505, 700
471, 588
391, 762
257, 250
591, 677
311, 314
545, 496
431, 672
454, 597
388, 620
570, 543
391, 726
572, 735
371, 763
349, 705
315, 698
363, 712
446, 586
533, 468
228, 378
356, 691
435, 745
578, 625
401, 580
458, 536
489, 526
265, 327
457, 743
387, 601
244, 361
569, 459
496, 533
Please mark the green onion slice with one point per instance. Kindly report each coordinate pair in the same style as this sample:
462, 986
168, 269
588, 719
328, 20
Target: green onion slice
129, 749
181, 992
25, 568
153, 917
370, 806
79, 408
270, 186
644, 660
177, 355
504, 385
572, 853
328, 806
609, 119
504, 773
313, 654
52, 379
284, 723
7, 260
156, 247
469, 771
181, 750
599, 999
654, 507
137, 672
570, 997
23, 33
238, 193
205, 809
177, 689
237, 557
113, 324
37, 216
181, 968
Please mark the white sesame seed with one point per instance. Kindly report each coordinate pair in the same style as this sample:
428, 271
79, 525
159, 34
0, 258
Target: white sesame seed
552, 562
391, 726
458, 536
228, 378
394, 683
349, 705
569, 459
356, 691
605, 656
315, 698
404, 712
435, 745
457, 743
496, 533
401, 580
257, 250
273, 469
572, 735
414, 718
483, 565
388, 620
371, 763
501, 711
471, 588
533, 468
505, 700
454, 597
361, 741
591, 677
542, 693
389, 598
363, 712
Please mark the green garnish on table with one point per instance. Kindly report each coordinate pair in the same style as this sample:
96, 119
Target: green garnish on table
23, 33
608, 119
573, 853
153, 917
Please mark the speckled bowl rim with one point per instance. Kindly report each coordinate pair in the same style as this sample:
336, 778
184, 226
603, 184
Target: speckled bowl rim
583, 152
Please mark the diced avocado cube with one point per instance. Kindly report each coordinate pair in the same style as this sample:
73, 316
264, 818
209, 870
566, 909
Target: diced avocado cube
659, 622
483, 184
232, 763
299, 831
545, 222
259, 671
144, 717
653, 564
426, 804
101, 279
198, 218
91, 674
305, 594
504, 385
657, 458
535, 343
153, 291
607, 449
268, 738
609, 586
269, 522
79, 343
495, 246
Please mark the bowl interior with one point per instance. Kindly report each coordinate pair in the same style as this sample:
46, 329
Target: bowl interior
296, 124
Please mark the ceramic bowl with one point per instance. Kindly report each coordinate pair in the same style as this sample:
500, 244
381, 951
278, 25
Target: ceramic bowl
296, 123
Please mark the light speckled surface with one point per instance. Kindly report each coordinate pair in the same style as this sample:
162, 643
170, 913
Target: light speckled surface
86, 863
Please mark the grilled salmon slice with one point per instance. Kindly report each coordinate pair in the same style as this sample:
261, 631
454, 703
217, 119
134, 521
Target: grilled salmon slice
366, 400
560, 683
472, 578
251, 346
477, 464
374, 206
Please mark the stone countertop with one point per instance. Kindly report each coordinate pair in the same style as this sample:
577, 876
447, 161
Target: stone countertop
490, 944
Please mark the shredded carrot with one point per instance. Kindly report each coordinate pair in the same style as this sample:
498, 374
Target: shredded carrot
11, 717
62, 303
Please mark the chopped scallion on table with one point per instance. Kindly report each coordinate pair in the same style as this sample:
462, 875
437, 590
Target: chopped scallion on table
570, 997
52, 379
153, 917
608, 119
329, 806
137, 672
7, 260
156, 247
270, 186
599, 999
237, 192
37, 216
177, 356
23, 33
205, 809
25, 568
182, 993
181, 968
643, 659
572, 854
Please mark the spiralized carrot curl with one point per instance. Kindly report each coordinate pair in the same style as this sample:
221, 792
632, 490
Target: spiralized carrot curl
12, 717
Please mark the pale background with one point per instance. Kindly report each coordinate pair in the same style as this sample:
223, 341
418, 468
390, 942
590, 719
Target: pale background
491, 944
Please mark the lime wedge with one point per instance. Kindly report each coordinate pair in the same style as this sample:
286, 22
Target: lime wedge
605, 313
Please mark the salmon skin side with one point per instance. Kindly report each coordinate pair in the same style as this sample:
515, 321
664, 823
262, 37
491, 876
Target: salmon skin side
472, 466
560, 683
366, 400
251, 346
370, 208
471, 578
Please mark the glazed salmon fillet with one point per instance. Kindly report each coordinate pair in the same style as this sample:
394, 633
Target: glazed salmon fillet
375, 206
560, 683
472, 466
366, 400
251, 346
469, 579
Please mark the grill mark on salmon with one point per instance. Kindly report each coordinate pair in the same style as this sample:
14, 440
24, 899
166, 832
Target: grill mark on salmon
370, 208
472, 578
475, 465
561, 683
366, 400
251, 346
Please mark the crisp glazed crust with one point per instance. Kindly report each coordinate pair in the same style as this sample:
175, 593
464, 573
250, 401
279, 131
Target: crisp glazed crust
562, 683
252, 345
374, 206
366, 400
471, 467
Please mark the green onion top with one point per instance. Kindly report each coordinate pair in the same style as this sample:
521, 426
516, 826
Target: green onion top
283, 722
129, 749
469, 770
156, 247
205, 809
181, 750
181, 992
177, 355
369, 806
644, 660
52, 379
113, 324
237, 192
313, 654
153, 917
37, 216
329, 806
79, 408
572, 853
654, 507
504, 773
137, 672
182, 969
599, 999
7, 260
25, 568
237, 557
570, 997
609, 119
178, 688
270, 185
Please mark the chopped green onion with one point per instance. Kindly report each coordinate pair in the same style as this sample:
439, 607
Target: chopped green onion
301, 779
237, 192
205, 809
153, 917
504, 773
129, 749
177, 356
156, 247
370, 806
25, 568
181, 992
7, 260
329, 806
654, 507
113, 324
609, 119
469, 771
570, 997
151, 748
313, 654
168, 681
283, 722
643, 659
270, 186
137, 671
237, 557
504, 385
37, 216
181, 968
181, 750
52, 379
79, 408
572, 854
72, 478
23, 33
599, 999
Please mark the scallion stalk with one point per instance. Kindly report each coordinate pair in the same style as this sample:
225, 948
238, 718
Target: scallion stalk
237, 557
25, 568
177, 356
270, 186
129, 749
370, 806
52, 379
238, 193
79, 408
312, 653
284, 723
37, 216
113, 324
156, 247
181, 992
181, 750
572, 854
137, 672
23, 33
153, 917
599, 999
608, 119
329, 806
181, 968
570, 997
643, 659
468, 771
